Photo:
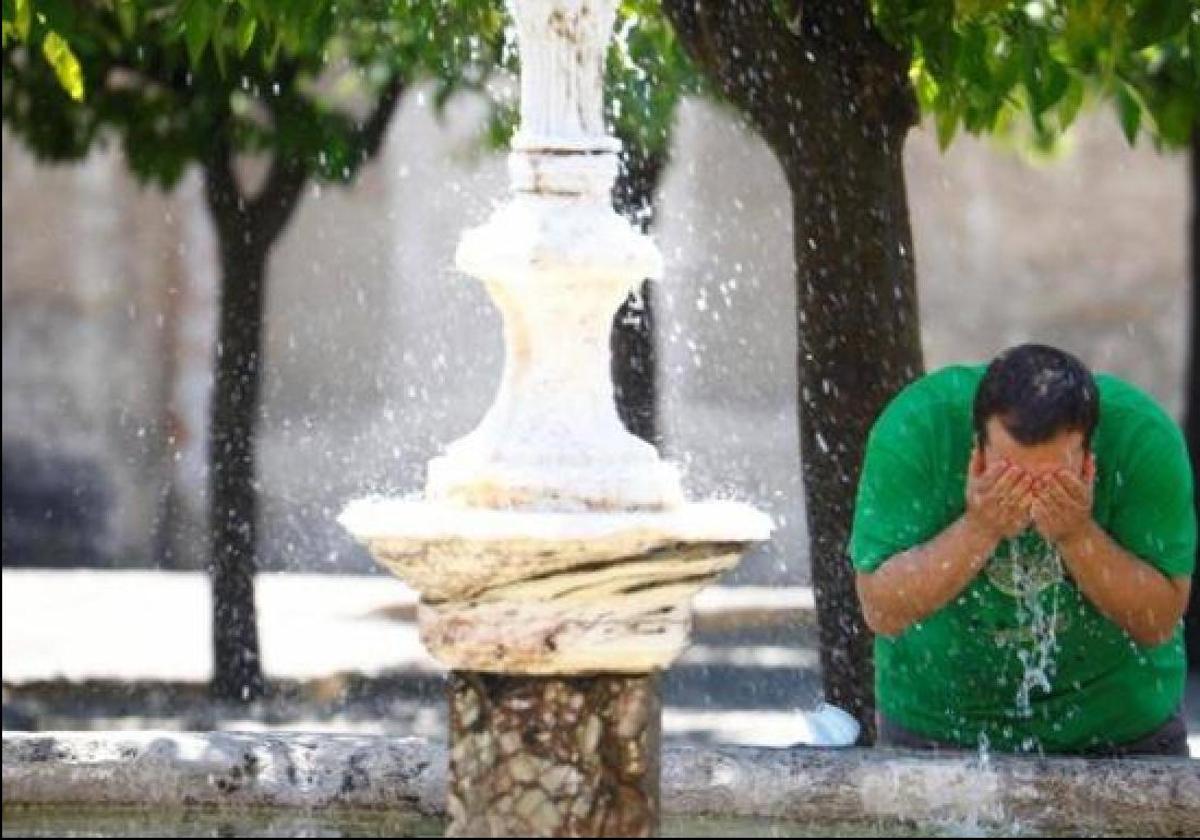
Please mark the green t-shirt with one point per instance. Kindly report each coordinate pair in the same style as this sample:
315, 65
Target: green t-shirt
1020, 657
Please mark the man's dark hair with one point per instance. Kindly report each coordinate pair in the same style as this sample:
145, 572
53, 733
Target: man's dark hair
1037, 392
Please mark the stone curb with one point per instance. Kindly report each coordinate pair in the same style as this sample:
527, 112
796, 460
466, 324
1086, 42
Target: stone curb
961, 793
229, 769
853, 786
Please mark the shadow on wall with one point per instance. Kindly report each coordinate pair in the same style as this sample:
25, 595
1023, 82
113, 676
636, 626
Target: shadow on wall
58, 512
56, 508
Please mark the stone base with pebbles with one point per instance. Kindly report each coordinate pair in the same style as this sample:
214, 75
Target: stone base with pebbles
548, 756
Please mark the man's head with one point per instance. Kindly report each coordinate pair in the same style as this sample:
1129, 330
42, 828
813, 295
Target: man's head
1037, 408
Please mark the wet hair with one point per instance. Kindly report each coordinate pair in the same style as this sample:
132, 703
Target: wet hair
1037, 392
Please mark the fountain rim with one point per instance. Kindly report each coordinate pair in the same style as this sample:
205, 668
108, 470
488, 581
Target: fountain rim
413, 517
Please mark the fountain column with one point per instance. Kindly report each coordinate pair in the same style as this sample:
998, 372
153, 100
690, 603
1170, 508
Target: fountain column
555, 552
553, 756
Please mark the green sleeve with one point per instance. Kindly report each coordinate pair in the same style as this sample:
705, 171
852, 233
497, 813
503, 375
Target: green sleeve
1154, 515
897, 505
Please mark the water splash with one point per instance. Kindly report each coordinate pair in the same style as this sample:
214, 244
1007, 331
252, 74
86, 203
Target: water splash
1033, 573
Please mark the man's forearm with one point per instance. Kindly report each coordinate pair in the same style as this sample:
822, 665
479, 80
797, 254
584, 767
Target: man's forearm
1125, 589
914, 584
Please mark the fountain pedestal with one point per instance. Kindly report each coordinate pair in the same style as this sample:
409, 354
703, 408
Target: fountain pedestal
555, 553
574, 756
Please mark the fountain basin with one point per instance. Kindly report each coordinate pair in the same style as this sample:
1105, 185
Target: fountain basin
747, 791
555, 592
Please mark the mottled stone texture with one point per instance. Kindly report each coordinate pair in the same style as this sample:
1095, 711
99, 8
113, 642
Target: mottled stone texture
553, 756
224, 770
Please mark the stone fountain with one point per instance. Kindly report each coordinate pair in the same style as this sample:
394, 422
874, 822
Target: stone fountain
555, 553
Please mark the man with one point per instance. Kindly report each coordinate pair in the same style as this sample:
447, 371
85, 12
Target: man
1024, 541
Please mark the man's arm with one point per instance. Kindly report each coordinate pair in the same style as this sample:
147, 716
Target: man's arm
916, 583
1128, 591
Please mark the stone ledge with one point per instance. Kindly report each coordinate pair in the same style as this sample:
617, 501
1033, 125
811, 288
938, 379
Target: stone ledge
852, 786
960, 793
227, 769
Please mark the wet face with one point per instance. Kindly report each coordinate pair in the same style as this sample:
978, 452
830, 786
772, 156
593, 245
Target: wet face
1064, 451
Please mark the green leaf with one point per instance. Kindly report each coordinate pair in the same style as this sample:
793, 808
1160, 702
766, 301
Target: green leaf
23, 18
1174, 116
66, 66
1071, 102
127, 17
1194, 48
1129, 112
1056, 82
924, 84
947, 124
1157, 20
273, 51
973, 66
198, 23
222, 38
247, 26
218, 50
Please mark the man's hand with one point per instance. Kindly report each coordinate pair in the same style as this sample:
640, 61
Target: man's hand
999, 498
1062, 506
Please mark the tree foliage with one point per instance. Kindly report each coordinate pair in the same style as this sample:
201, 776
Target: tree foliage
277, 75
993, 66
170, 78
648, 74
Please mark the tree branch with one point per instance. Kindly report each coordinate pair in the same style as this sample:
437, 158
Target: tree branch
226, 204
276, 202
371, 133
280, 195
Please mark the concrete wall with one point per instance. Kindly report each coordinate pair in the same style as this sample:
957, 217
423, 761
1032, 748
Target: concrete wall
89, 269
379, 352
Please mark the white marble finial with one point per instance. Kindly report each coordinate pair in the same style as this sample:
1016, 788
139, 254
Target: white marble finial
563, 46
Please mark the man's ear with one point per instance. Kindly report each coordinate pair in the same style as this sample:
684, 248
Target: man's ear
1089, 466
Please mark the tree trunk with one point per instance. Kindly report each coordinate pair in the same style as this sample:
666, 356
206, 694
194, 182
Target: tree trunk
634, 357
1192, 396
246, 230
857, 324
833, 102
233, 515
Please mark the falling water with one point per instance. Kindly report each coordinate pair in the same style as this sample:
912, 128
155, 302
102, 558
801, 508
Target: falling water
1033, 573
